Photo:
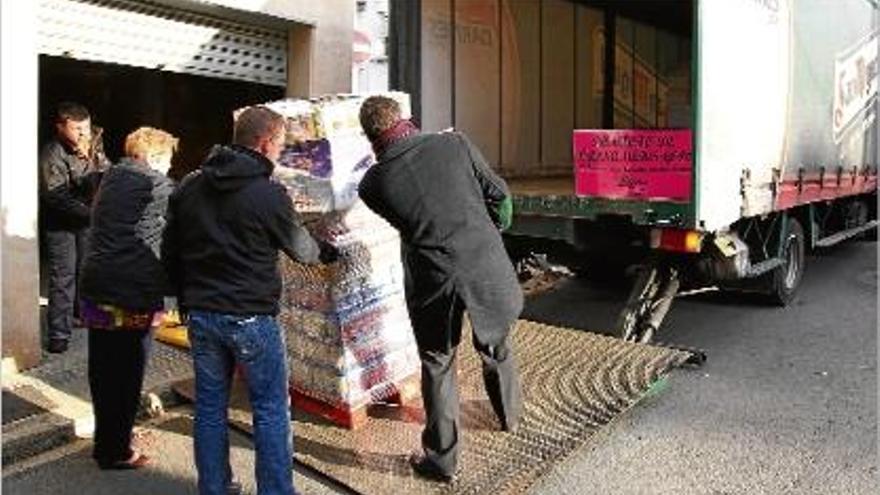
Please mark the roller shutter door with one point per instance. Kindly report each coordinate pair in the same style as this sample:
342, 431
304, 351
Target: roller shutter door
143, 34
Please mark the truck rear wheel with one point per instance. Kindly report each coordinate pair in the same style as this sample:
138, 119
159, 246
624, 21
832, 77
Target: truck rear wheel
785, 279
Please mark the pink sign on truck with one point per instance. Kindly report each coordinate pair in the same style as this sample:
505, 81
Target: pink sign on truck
641, 164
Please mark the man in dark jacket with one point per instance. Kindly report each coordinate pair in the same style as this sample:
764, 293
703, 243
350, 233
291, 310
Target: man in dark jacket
226, 223
438, 191
70, 169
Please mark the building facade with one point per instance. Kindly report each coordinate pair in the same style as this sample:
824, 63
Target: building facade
182, 65
370, 49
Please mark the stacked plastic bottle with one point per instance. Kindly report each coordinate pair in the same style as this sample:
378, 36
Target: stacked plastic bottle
348, 331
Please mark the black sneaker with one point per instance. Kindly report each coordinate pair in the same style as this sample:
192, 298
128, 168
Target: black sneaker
424, 468
57, 346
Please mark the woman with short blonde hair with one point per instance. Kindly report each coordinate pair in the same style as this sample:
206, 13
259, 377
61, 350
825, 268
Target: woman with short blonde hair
152, 146
123, 286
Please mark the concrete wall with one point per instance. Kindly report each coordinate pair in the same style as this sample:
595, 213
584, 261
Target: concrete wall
371, 76
18, 184
333, 22
322, 34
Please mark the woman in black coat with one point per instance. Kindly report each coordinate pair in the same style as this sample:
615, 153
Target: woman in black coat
123, 285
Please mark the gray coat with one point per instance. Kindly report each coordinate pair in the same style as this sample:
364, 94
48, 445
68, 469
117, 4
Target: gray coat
438, 191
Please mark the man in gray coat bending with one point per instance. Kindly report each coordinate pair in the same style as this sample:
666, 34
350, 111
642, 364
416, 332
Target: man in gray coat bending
438, 191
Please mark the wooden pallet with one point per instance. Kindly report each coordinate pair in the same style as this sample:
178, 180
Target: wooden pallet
406, 393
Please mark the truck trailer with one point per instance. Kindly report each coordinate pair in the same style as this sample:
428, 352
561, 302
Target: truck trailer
707, 142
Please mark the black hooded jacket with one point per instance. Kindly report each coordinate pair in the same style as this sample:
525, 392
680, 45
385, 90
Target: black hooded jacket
226, 223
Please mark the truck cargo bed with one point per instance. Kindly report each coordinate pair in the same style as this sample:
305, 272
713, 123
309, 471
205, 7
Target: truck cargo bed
555, 197
542, 186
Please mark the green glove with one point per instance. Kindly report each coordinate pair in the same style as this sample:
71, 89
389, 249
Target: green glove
505, 213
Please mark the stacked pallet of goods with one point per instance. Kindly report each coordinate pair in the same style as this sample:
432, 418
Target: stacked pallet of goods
348, 332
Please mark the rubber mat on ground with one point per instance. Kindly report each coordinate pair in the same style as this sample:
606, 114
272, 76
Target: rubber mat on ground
574, 382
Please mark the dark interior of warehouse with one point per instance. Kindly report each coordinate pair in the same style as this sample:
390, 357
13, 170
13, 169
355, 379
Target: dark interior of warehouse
196, 109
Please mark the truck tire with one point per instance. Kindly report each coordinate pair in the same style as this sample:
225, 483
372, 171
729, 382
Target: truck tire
785, 279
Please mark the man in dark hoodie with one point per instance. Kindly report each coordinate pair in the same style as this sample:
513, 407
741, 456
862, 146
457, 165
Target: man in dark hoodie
226, 223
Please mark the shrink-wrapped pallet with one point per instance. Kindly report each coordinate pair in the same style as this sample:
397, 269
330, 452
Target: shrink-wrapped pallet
347, 327
326, 153
349, 335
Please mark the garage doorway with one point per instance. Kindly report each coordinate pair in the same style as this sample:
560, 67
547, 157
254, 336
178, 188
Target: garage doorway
121, 98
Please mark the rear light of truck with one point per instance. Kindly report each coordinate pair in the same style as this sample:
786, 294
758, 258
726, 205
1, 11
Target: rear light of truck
677, 240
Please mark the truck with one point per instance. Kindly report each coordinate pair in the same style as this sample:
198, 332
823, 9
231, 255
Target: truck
706, 142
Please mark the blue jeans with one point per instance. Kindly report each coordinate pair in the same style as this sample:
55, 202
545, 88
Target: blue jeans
219, 341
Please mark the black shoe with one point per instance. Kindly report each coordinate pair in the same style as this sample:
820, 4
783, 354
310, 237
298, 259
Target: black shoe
510, 426
57, 346
424, 468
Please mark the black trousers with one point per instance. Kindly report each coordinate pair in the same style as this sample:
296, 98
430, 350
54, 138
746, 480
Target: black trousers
64, 253
117, 361
437, 328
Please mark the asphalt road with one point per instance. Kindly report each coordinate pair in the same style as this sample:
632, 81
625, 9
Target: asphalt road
786, 403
